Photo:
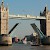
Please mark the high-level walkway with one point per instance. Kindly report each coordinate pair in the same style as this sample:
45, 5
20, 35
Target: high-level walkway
26, 17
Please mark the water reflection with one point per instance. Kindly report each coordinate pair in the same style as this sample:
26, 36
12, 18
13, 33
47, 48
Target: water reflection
24, 47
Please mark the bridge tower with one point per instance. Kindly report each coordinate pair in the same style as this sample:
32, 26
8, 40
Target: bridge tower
45, 24
4, 38
3, 19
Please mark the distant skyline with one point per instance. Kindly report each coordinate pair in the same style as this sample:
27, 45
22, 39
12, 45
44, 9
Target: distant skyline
32, 7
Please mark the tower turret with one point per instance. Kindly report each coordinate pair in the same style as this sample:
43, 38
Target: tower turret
44, 12
2, 4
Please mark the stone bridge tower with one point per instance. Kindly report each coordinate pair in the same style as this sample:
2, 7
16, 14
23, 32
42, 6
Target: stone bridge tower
3, 19
4, 38
45, 24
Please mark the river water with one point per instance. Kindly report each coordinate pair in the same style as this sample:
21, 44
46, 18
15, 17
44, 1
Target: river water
24, 47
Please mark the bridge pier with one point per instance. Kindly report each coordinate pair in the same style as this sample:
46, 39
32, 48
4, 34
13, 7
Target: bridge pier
5, 40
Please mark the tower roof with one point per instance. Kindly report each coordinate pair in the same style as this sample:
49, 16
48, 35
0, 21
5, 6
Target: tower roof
2, 3
46, 8
2, 0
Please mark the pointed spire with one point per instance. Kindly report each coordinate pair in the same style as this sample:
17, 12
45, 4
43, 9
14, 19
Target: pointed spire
46, 7
2, 3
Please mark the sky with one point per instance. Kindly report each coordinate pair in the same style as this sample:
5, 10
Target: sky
24, 7
32, 7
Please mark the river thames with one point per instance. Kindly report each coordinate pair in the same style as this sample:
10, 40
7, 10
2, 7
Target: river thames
24, 47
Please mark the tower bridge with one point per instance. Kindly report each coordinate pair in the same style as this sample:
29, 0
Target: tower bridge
4, 16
